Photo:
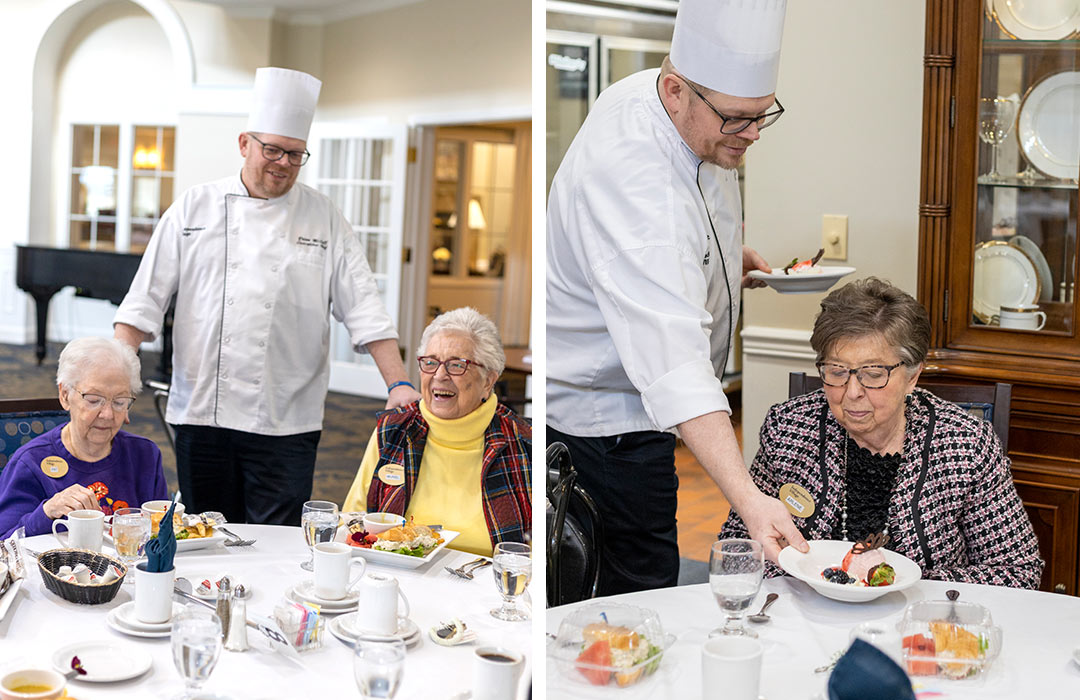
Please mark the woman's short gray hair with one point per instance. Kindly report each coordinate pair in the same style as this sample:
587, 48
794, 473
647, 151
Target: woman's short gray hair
873, 307
84, 355
467, 321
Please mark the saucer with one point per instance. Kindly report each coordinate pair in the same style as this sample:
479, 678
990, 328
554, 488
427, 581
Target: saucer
114, 622
305, 591
344, 628
104, 662
125, 615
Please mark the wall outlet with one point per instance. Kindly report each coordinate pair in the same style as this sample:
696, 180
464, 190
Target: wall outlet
834, 236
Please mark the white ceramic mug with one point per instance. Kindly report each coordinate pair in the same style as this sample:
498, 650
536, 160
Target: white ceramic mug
153, 594
495, 673
332, 562
379, 611
32, 677
731, 668
85, 528
1025, 317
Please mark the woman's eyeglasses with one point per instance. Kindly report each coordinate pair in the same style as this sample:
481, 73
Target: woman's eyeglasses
455, 366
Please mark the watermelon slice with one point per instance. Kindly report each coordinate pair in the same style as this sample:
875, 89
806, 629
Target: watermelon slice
597, 654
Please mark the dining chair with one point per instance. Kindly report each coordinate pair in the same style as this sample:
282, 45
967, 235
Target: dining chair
575, 533
22, 420
161, 402
990, 402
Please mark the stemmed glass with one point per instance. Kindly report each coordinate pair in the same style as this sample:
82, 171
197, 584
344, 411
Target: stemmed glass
513, 569
378, 664
196, 646
735, 571
319, 520
996, 116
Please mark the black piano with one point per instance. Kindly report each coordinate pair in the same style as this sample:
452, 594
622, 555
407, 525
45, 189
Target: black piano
42, 272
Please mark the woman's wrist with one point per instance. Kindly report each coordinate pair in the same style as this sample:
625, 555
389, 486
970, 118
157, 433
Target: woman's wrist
401, 383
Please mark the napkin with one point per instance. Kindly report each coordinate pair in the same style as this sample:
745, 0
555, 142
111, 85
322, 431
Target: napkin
867, 672
161, 550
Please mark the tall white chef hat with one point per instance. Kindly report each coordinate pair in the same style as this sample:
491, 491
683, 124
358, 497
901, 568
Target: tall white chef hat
284, 102
731, 46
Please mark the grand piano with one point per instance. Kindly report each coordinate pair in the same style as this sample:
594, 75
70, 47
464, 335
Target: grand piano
42, 272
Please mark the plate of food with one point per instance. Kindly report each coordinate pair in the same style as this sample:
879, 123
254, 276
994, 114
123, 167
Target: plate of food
851, 572
192, 531
802, 276
408, 546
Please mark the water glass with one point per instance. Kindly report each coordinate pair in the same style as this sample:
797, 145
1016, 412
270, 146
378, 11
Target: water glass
513, 569
130, 532
735, 571
196, 646
319, 520
378, 665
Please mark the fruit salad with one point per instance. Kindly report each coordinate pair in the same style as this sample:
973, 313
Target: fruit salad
863, 565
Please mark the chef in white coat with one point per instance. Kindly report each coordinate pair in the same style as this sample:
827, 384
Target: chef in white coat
644, 266
258, 264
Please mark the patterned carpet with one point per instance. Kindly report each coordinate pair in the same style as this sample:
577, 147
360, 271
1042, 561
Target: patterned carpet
347, 425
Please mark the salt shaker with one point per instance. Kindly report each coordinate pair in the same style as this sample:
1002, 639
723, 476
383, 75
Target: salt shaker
236, 638
224, 599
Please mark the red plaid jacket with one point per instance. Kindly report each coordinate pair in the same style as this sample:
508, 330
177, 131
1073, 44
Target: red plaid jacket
506, 473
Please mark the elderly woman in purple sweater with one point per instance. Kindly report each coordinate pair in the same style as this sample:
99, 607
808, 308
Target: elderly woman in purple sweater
877, 454
87, 463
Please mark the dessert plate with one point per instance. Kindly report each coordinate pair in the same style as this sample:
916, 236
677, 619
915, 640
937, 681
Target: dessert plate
344, 628
1045, 19
190, 544
1042, 268
114, 622
1046, 125
104, 662
825, 553
404, 561
802, 284
1004, 276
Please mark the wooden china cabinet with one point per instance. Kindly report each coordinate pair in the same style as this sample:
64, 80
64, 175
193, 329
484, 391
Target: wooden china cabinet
997, 237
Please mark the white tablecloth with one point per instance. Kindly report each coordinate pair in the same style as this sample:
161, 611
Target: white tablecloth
39, 623
1040, 632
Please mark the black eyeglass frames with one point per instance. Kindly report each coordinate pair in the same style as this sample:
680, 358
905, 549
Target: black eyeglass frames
733, 125
274, 153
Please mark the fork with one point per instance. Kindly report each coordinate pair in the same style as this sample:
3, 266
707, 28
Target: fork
460, 571
237, 540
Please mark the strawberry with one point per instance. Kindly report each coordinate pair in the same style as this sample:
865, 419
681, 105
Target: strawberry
597, 654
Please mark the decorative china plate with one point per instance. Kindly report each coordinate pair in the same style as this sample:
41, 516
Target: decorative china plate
1046, 125
1004, 276
1042, 19
802, 284
825, 553
188, 545
404, 561
104, 662
1046, 277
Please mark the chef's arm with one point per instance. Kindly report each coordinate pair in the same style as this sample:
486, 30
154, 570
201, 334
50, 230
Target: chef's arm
388, 360
130, 334
712, 440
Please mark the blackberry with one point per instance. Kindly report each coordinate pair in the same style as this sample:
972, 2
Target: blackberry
836, 575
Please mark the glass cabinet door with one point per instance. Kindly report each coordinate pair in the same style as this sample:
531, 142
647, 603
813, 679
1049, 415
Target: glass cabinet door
1028, 165
571, 89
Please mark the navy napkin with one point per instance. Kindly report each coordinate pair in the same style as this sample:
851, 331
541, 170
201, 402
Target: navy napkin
161, 549
867, 672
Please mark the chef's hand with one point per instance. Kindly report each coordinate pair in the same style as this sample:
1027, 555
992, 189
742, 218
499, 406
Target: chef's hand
74, 497
402, 395
751, 260
769, 523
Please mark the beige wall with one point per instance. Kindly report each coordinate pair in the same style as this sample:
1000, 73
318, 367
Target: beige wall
851, 80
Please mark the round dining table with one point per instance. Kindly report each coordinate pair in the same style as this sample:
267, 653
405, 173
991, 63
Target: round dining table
1039, 657
38, 623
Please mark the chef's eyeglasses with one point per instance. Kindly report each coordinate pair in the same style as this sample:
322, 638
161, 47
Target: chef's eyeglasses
96, 402
274, 153
455, 366
870, 376
733, 125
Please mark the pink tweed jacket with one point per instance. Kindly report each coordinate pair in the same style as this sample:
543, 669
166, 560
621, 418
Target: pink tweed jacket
954, 509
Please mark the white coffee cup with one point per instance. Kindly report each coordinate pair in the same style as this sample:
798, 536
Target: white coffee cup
1025, 317
495, 673
153, 594
731, 668
379, 612
32, 676
332, 562
85, 528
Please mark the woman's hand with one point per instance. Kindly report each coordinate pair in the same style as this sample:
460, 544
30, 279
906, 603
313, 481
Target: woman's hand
74, 497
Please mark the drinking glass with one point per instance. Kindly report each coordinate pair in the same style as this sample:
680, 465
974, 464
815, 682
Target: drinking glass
378, 664
319, 519
513, 569
996, 116
130, 532
735, 571
196, 646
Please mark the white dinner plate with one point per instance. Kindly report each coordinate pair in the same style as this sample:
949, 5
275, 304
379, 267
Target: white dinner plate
802, 284
305, 592
197, 579
404, 561
826, 553
125, 614
189, 544
114, 622
1042, 268
1047, 125
1041, 19
1004, 276
104, 662
344, 628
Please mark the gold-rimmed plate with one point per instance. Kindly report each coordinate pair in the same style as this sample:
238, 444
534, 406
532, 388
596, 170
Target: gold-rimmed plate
1004, 275
1042, 20
1046, 125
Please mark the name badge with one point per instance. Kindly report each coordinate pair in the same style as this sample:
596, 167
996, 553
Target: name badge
54, 467
797, 500
392, 474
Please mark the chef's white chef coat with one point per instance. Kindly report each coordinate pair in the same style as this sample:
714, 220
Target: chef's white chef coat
255, 281
639, 314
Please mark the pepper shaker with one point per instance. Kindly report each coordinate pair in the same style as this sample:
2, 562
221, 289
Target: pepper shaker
224, 598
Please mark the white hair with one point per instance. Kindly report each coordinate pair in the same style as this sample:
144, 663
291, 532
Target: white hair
83, 355
467, 321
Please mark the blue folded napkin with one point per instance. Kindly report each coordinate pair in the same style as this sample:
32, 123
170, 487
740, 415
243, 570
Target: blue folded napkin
161, 549
867, 672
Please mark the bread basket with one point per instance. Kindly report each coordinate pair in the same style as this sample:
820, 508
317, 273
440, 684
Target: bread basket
82, 593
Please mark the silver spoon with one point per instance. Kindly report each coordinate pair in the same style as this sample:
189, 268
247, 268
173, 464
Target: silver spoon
760, 616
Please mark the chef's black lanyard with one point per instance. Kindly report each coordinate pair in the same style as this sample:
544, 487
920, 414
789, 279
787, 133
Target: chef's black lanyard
723, 268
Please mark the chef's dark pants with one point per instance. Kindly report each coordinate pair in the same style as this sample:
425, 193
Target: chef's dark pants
632, 479
249, 478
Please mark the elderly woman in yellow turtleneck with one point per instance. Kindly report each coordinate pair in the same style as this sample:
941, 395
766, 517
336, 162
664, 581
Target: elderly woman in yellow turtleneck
455, 457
